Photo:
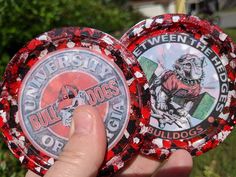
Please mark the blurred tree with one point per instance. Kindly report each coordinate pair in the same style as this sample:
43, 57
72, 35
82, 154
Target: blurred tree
22, 20
121, 3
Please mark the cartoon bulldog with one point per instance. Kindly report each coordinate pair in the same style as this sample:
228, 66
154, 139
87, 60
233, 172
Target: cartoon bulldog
69, 98
182, 83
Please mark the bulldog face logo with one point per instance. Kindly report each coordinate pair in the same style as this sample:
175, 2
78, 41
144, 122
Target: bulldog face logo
69, 99
190, 67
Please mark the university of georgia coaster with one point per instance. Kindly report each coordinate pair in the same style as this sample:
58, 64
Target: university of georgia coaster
55, 73
190, 66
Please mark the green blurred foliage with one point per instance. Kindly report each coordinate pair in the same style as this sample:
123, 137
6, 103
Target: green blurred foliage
22, 20
9, 166
232, 33
219, 162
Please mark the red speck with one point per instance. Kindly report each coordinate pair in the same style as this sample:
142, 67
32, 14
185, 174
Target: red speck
33, 44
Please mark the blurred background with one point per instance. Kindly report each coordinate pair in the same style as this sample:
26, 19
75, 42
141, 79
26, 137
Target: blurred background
22, 20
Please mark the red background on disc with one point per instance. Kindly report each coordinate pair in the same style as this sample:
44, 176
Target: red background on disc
50, 95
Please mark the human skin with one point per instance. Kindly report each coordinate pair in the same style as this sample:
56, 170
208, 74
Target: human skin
84, 153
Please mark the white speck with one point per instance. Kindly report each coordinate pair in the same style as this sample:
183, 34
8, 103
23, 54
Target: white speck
24, 55
175, 18
148, 23
120, 164
165, 151
232, 117
22, 138
13, 101
96, 48
152, 151
233, 64
21, 158
43, 53
107, 40
231, 93
14, 131
126, 134
114, 160
221, 135
223, 36
148, 152
128, 61
38, 169
146, 86
233, 55
4, 117
143, 130
159, 20
224, 60
17, 119
131, 111
129, 82
137, 31
158, 142
70, 44
138, 74
136, 140
198, 143
107, 52
173, 150
9, 98
51, 161
43, 37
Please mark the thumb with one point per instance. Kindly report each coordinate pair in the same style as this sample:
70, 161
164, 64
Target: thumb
85, 150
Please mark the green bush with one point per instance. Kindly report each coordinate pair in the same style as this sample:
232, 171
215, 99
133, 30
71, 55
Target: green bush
22, 20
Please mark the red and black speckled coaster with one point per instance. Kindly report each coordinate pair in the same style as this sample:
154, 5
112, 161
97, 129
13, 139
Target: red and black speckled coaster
190, 65
60, 70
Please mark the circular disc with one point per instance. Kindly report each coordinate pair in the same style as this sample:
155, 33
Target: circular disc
62, 69
190, 66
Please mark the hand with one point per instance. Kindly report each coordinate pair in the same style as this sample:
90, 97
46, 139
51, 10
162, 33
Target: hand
85, 151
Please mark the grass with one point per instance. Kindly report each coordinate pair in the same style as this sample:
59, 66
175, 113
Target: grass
219, 162
9, 165
231, 32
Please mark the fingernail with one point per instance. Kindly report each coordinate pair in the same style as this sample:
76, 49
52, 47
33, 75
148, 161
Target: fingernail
83, 122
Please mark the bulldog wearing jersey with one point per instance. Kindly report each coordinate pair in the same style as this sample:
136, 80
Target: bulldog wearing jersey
182, 83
